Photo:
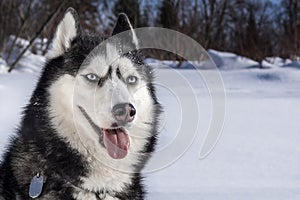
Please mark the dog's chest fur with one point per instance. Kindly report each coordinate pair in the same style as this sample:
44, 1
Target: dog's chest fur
104, 178
84, 195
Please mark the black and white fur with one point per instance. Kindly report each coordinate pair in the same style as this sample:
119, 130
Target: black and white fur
60, 131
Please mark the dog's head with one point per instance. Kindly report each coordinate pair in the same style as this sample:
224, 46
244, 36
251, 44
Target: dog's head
101, 98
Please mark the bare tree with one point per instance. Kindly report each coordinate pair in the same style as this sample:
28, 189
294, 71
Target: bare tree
38, 33
289, 21
24, 19
8, 21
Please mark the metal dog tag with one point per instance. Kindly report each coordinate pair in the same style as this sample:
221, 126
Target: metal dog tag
36, 186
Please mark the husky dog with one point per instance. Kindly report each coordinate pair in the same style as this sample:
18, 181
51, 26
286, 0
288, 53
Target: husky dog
90, 125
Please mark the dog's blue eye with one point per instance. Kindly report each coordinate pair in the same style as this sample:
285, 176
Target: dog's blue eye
92, 77
132, 80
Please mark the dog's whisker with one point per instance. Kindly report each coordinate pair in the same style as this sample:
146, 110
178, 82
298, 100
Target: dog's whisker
148, 123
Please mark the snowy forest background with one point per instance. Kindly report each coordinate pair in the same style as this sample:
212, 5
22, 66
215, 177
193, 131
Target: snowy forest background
253, 28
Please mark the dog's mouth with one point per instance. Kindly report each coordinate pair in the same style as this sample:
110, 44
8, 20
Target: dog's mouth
116, 142
116, 139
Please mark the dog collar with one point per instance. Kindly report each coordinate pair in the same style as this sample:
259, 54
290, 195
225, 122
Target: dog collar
37, 182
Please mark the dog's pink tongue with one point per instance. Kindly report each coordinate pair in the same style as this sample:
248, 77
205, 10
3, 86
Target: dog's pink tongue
116, 142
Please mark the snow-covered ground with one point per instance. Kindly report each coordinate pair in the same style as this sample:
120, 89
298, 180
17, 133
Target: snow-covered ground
258, 154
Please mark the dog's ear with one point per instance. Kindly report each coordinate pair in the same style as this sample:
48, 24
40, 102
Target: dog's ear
123, 24
66, 31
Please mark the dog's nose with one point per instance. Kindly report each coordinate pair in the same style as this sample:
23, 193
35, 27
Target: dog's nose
123, 112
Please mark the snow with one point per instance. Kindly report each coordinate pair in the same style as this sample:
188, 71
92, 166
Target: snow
225, 60
33, 63
3, 66
257, 156
295, 64
278, 61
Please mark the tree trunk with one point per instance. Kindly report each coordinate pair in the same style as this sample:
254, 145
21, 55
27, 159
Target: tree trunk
24, 20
